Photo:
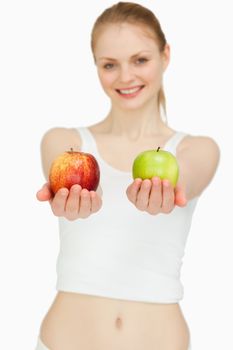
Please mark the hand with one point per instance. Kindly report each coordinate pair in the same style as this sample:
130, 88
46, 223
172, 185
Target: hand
72, 204
155, 196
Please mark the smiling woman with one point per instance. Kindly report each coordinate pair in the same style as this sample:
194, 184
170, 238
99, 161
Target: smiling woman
121, 246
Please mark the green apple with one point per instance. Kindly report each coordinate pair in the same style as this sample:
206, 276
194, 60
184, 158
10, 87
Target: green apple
159, 163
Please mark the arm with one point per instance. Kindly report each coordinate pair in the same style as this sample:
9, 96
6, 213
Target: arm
198, 161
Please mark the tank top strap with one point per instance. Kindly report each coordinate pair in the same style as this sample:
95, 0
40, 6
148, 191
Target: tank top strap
173, 142
88, 141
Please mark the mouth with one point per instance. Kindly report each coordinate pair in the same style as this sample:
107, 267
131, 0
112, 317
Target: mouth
130, 92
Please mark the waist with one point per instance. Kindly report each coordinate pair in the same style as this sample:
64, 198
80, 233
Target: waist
74, 317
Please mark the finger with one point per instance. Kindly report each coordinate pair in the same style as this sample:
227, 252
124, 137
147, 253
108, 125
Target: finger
85, 203
59, 201
180, 197
167, 197
96, 202
133, 189
44, 194
155, 200
143, 195
73, 202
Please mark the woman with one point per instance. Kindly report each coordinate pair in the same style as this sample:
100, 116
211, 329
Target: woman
121, 246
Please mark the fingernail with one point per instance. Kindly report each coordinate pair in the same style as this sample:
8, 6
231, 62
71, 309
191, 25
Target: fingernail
155, 180
64, 192
76, 188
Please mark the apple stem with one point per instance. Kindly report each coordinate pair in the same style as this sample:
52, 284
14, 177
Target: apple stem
158, 149
71, 149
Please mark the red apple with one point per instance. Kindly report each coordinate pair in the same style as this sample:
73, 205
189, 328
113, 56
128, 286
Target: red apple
72, 168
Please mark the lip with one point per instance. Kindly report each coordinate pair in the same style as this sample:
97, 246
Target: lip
131, 87
132, 95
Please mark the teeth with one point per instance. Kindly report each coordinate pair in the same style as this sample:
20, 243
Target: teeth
130, 91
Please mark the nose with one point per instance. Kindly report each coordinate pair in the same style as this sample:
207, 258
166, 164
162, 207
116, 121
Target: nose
126, 74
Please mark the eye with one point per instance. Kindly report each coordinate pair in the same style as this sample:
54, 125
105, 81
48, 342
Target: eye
142, 60
108, 66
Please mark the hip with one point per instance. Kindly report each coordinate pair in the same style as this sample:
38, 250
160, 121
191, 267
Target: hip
91, 322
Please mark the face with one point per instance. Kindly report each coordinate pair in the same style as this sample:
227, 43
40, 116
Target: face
129, 65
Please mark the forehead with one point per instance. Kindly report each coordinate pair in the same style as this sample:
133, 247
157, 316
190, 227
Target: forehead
118, 40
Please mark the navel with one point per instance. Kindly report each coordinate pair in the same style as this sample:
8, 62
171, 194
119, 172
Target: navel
118, 323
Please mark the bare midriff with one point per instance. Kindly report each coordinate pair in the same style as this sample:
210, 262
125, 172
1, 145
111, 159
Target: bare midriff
78, 321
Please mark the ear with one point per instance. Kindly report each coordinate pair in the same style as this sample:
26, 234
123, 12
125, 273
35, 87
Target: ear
166, 56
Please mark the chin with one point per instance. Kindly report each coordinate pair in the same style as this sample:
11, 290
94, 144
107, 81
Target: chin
135, 105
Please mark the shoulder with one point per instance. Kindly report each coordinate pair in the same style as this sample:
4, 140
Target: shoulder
203, 146
197, 155
61, 135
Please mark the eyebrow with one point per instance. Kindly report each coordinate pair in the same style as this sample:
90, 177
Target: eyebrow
114, 59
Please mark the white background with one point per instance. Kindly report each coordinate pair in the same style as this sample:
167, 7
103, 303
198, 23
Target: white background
47, 78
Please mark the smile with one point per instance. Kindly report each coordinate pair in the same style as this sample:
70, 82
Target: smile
130, 92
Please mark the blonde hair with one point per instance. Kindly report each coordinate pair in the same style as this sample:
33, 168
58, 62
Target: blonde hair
129, 12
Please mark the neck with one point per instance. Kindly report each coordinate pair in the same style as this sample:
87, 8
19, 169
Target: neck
135, 124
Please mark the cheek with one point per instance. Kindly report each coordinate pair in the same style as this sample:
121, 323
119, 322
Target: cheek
106, 79
153, 75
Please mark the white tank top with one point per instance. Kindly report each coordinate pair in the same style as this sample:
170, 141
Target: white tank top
121, 252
